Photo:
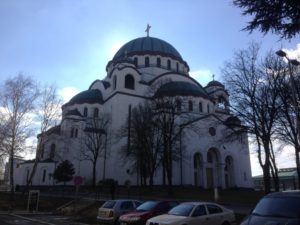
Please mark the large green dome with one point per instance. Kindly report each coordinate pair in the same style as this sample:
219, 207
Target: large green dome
147, 45
181, 88
89, 96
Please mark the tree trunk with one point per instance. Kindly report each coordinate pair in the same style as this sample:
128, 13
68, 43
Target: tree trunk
297, 152
266, 172
94, 175
12, 189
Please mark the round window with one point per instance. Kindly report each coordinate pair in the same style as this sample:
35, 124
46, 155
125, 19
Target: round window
212, 131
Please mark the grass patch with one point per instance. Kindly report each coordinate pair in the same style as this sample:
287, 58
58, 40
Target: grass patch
20, 202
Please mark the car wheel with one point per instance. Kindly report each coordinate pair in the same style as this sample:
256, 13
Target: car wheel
225, 223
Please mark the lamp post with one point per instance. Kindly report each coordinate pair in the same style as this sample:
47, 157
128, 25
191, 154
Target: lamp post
294, 62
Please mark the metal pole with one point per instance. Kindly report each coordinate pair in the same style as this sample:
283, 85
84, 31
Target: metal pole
104, 163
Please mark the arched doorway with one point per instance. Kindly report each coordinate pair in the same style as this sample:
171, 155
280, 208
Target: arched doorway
229, 172
198, 170
212, 169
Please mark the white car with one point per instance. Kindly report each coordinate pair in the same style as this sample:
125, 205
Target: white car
195, 213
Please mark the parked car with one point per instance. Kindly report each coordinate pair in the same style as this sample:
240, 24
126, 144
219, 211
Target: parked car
195, 213
276, 208
111, 210
146, 211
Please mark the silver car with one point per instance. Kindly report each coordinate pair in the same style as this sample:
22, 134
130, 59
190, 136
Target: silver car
111, 210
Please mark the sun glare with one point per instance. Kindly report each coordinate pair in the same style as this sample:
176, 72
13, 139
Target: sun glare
115, 46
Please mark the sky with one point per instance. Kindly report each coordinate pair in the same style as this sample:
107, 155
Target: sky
69, 43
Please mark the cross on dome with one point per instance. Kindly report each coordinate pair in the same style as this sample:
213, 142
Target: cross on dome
148, 29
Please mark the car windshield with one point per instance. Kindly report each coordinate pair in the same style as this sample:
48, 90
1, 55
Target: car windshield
181, 210
147, 206
109, 204
278, 207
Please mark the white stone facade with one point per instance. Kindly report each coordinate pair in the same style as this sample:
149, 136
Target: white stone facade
209, 161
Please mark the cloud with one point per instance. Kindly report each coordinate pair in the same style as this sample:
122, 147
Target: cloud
67, 93
202, 76
293, 53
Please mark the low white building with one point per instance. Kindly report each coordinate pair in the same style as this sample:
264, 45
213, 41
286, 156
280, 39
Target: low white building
209, 160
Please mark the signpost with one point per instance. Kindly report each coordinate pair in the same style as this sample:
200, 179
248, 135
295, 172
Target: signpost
78, 180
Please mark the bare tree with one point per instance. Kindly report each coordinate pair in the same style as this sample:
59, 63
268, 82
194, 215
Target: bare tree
172, 116
95, 141
289, 119
144, 142
48, 111
254, 88
18, 97
154, 132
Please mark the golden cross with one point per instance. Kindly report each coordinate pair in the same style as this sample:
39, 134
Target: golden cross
148, 29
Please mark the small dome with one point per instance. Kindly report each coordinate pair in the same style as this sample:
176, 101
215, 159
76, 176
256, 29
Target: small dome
215, 83
147, 45
88, 96
233, 121
181, 88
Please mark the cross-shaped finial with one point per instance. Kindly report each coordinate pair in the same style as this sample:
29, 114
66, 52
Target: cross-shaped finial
213, 76
148, 29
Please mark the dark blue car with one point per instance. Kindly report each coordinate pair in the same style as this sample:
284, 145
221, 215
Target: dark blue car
279, 208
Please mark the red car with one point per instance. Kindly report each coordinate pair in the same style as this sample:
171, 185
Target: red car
146, 211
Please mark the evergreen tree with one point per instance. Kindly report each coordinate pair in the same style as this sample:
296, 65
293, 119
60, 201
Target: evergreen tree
64, 172
279, 17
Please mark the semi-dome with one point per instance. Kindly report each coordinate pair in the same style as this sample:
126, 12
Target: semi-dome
215, 83
88, 96
181, 88
147, 45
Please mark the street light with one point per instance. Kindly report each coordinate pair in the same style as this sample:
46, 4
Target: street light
293, 62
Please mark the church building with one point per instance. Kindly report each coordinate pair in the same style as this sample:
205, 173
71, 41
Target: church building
210, 158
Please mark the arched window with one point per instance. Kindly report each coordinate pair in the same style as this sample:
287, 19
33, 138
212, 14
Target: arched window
200, 107
221, 102
135, 60
44, 176
158, 62
198, 169
72, 132
76, 132
177, 67
208, 110
147, 62
129, 82
190, 106
85, 112
209, 157
114, 82
52, 151
169, 64
96, 112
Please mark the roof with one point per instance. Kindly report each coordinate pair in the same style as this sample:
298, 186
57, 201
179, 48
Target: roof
284, 173
215, 83
88, 96
52, 130
73, 112
181, 88
147, 44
